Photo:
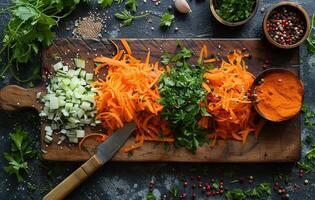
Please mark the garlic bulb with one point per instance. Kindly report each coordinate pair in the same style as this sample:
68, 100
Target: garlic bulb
182, 6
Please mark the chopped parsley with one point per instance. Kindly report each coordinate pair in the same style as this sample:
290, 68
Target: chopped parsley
181, 91
234, 11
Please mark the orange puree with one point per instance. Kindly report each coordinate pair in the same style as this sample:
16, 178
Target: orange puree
279, 96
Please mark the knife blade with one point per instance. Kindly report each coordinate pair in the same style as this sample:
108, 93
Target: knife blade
105, 151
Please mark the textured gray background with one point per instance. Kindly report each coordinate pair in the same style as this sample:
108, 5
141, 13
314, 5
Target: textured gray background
130, 180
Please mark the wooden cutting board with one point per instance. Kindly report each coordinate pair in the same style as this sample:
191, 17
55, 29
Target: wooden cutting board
278, 142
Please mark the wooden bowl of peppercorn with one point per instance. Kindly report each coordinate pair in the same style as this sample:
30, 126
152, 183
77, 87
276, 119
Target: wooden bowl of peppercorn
286, 25
233, 13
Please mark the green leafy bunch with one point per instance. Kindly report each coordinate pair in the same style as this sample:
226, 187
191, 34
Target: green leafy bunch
30, 27
263, 189
234, 10
21, 150
181, 94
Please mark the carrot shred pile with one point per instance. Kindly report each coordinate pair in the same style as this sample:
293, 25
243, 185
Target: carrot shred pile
129, 93
228, 101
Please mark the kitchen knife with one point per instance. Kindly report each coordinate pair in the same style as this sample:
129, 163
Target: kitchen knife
105, 151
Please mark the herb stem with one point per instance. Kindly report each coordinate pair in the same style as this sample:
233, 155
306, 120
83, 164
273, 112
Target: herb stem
140, 16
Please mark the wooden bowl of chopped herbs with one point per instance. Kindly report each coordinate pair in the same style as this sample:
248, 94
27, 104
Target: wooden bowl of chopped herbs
233, 12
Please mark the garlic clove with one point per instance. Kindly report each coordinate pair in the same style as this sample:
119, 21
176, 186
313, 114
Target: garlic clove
182, 6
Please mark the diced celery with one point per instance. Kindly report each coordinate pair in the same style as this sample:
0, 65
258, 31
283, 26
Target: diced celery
48, 139
86, 106
57, 66
80, 133
53, 103
89, 76
79, 63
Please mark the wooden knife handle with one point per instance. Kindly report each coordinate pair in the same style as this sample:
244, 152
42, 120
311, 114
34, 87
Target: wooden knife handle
74, 180
13, 97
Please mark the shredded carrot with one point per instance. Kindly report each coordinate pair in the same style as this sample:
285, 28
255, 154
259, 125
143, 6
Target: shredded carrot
100, 138
129, 93
126, 46
116, 46
228, 101
211, 60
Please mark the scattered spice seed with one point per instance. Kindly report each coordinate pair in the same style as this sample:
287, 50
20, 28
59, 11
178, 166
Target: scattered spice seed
185, 183
89, 27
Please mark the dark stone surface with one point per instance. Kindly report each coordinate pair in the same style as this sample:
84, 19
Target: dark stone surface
130, 180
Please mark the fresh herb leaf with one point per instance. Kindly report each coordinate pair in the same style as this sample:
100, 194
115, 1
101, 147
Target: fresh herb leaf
21, 149
132, 5
165, 58
150, 196
235, 11
311, 38
126, 17
263, 189
307, 166
105, 3
174, 192
31, 27
311, 153
166, 19
181, 91
309, 116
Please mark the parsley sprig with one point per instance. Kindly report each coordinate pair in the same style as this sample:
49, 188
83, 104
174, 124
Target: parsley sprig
30, 28
308, 164
105, 3
132, 5
182, 93
21, 151
166, 19
126, 17
263, 189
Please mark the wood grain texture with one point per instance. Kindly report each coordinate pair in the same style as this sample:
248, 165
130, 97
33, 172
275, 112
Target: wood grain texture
74, 180
13, 97
278, 142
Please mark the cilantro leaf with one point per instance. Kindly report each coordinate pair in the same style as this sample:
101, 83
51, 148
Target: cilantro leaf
165, 58
105, 3
166, 19
263, 189
132, 5
126, 17
311, 153
25, 13
21, 149
150, 196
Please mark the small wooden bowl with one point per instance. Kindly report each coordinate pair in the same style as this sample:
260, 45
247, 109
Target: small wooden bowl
213, 4
300, 10
256, 83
